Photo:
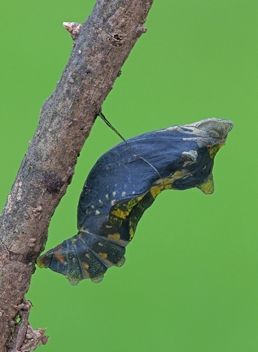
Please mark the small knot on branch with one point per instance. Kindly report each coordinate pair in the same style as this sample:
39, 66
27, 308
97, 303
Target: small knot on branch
140, 29
73, 28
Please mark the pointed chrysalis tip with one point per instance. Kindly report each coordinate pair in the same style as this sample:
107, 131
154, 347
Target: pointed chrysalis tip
207, 187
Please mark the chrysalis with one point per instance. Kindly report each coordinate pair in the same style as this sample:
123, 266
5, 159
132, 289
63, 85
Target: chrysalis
123, 183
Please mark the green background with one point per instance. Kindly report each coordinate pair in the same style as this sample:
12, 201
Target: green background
189, 282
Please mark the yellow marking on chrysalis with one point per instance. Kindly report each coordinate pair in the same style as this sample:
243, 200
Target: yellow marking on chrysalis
207, 186
123, 194
131, 233
102, 255
214, 149
139, 198
100, 201
107, 196
40, 263
122, 214
164, 181
132, 203
169, 186
113, 202
93, 207
114, 236
155, 191
169, 180
132, 228
114, 194
85, 265
167, 183
178, 174
97, 212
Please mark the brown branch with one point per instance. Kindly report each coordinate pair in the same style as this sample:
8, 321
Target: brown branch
101, 46
24, 338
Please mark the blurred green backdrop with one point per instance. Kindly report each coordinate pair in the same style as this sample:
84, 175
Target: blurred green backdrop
189, 282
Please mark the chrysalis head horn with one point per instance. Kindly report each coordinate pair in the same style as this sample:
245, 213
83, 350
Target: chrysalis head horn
216, 128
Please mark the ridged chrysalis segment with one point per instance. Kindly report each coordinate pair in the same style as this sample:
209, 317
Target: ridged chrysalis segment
91, 267
64, 260
107, 252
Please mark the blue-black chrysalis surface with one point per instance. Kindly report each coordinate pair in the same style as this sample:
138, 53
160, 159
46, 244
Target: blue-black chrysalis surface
123, 183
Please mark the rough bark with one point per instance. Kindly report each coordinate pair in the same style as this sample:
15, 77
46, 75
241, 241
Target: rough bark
101, 46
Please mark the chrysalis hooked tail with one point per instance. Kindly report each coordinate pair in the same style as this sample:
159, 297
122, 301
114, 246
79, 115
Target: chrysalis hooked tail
124, 182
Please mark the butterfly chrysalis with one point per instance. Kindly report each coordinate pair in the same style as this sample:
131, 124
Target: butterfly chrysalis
123, 183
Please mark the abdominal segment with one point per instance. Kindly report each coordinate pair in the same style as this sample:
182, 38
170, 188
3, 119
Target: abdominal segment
89, 255
83, 256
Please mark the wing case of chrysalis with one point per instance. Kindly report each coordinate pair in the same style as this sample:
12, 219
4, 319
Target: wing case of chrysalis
123, 183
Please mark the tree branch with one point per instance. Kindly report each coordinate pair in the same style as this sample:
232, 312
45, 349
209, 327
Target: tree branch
101, 46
